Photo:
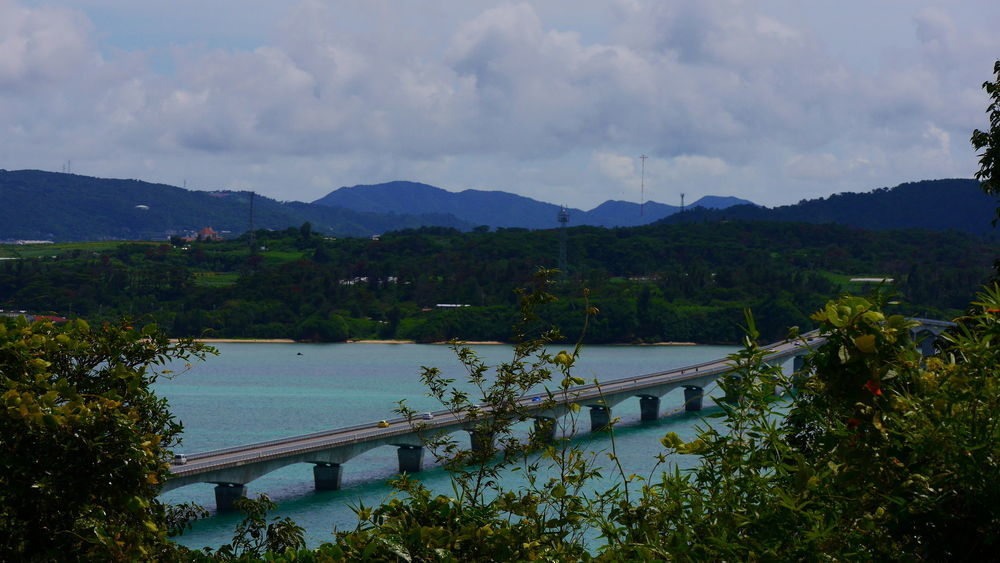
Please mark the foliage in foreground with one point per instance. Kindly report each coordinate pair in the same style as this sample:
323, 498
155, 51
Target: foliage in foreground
881, 455
84, 441
988, 142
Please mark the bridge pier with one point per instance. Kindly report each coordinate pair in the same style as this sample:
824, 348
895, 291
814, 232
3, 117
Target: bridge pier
327, 476
226, 495
481, 441
925, 342
410, 458
798, 362
693, 398
649, 407
545, 428
927, 347
600, 417
798, 376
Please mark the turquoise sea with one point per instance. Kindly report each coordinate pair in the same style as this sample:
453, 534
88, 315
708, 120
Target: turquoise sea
253, 392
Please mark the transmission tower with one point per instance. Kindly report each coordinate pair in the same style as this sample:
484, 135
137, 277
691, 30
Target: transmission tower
642, 185
563, 219
253, 233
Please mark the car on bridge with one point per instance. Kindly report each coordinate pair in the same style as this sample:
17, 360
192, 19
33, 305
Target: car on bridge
383, 424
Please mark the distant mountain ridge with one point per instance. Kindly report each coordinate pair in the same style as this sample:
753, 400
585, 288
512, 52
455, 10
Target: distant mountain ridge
43, 205
498, 208
938, 205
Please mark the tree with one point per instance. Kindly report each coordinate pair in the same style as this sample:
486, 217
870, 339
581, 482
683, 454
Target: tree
255, 535
880, 455
989, 141
484, 521
84, 441
305, 231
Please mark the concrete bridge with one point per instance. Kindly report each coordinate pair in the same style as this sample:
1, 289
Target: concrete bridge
926, 332
230, 469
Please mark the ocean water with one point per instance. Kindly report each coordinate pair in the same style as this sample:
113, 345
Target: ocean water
253, 392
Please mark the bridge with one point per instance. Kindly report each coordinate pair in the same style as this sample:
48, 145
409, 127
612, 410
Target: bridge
230, 469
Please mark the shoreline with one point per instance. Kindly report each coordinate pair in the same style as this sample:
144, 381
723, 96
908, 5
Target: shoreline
668, 343
384, 341
241, 340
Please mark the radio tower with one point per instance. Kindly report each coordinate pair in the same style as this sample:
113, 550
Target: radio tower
642, 185
253, 233
563, 219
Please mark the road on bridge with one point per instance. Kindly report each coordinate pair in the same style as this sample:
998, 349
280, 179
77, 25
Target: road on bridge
445, 420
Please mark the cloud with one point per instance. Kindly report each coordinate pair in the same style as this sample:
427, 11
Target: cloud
40, 47
727, 97
814, 167
686, 166
615, 167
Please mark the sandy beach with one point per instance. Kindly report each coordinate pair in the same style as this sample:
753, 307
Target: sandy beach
470, 342
238, 340
474, 342
375, 341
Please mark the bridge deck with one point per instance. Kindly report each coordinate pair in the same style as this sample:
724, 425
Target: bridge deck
401, 431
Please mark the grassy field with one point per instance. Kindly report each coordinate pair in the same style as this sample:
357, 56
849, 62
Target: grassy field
43, 250
215, 279
845, 284
272, 257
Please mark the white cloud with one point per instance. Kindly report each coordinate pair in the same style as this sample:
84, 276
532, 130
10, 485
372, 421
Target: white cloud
814, 167
696, 165
730, 97
615, 167
39, 48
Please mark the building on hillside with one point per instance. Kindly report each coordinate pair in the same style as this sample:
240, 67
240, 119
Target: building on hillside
208, 233
30, 317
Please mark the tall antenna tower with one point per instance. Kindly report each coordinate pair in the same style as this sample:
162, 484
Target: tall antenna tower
642, 185
563, 219
682, 203
253, 233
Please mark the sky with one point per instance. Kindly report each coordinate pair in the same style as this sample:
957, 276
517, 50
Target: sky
774, 101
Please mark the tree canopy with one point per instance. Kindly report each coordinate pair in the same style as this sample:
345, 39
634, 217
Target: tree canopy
84, 441
989, 141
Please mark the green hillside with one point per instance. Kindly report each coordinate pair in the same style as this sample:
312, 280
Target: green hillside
939, 205
686, 282
67, 207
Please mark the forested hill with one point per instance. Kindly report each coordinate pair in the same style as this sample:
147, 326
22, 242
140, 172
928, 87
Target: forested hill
70, 207
686, 282
939, 205
502, 209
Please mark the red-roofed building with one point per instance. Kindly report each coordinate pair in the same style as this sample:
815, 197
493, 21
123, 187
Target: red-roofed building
208, 233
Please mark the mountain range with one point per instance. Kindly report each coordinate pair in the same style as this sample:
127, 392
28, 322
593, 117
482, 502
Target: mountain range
42, 205
502, 209
69, 207
937, 205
